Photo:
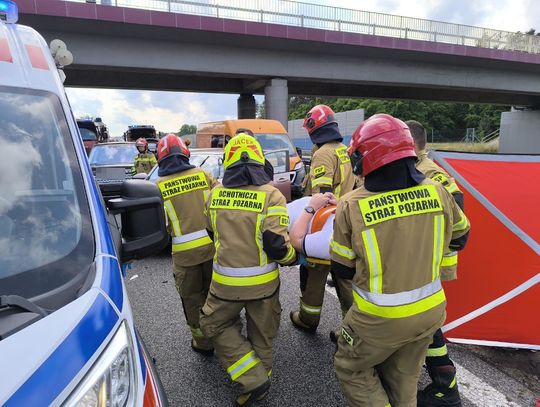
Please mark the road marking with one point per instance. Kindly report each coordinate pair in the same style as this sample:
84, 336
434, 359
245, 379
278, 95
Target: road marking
478, 392
331, 290
474, 389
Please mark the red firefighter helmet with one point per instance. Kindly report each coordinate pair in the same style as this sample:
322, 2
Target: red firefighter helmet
141, 142
380, 140
317, 117
171, 145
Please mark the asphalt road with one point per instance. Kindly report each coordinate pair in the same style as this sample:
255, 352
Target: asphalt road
303, 373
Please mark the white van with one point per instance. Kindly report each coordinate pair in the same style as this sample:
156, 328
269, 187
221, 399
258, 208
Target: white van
67, 335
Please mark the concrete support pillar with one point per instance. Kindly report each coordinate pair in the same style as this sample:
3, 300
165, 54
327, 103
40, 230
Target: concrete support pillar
246, 106
276, 100
520, 132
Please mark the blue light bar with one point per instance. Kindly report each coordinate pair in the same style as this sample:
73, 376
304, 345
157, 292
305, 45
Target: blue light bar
8, 11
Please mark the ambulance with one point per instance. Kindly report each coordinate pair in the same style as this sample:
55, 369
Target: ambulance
67, 334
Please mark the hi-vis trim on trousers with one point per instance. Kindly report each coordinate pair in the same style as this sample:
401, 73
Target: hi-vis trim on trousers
245, 276
241, 366
190, 241
309, 309
400, 305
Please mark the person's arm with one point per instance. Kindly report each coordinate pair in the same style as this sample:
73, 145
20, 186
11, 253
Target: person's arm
275, 238
450, 185
342, 255
322, 173
460, 228
134, 167
210, 218
300, 228
212, 181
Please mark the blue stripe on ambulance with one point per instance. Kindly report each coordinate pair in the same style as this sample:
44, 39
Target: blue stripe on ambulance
111, 281
69, 358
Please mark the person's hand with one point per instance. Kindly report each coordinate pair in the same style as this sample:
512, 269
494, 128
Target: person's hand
318, 201
332, 200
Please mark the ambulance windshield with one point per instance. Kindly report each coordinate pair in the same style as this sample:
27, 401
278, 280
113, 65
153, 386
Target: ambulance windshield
45, 231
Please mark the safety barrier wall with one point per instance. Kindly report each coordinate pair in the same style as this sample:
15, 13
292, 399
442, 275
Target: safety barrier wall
330, 18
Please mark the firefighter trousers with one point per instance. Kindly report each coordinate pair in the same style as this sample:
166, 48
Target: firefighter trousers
373, 376
248, 360
312, 285
192, 283
437, 354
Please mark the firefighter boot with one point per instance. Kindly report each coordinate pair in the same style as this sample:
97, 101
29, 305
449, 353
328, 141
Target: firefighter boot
258, 393
298, 323
203, 350
443, 391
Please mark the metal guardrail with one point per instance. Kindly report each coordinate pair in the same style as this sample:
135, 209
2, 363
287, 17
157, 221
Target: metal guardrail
299, 14
491, 136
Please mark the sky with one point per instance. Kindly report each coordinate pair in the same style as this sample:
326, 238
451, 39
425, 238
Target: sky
167, 111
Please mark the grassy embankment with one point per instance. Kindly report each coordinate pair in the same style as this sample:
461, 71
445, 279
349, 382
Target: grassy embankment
468, 147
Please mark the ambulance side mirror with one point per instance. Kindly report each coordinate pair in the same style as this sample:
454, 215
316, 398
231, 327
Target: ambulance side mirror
143, 227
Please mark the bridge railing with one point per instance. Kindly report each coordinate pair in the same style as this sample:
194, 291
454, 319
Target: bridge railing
300, 14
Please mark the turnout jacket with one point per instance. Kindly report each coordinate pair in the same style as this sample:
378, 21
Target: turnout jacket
249, 225
144, 162
431, 170
184, 194
391, 244
330, 170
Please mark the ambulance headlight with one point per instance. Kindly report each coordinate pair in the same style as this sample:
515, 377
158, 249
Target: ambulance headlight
298, 166
8, 11
111, 381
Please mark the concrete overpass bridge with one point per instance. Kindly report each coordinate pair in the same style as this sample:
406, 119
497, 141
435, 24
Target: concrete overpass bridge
284, 48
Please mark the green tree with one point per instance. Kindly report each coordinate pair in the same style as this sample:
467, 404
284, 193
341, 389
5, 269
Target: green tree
261, 111
187, 129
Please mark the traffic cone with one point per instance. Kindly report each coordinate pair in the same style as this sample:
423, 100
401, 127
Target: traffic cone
538, 402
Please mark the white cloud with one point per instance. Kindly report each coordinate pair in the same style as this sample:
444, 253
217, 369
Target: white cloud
510, 15
167, 111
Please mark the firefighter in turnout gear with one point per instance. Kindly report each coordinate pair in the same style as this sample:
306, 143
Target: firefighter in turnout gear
330, 171
248, 220
389, 238
185, 189
443, 391
145, 160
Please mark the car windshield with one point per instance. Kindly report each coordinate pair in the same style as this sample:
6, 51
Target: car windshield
276, 142
46, 239
210, 162
136, 132
113, 154
87, 135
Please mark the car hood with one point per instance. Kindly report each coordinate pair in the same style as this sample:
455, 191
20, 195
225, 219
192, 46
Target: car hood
111, 166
